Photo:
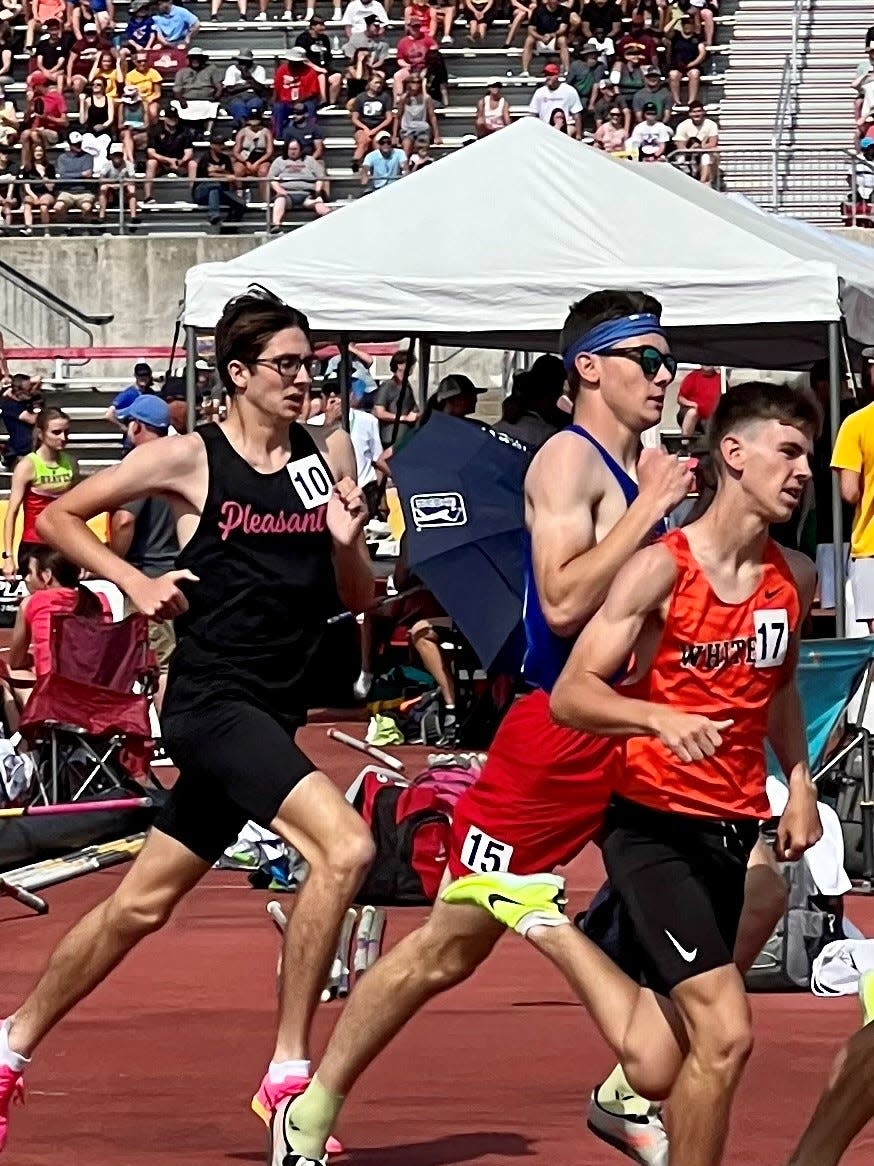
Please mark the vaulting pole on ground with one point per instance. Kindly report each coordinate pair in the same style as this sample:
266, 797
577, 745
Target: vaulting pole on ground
345, 379
191, 375
834, 402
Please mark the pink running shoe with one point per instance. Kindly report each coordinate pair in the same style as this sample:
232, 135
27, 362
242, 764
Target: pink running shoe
11, 1091
269, 1096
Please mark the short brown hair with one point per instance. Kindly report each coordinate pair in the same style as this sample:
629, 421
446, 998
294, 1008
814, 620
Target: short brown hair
246, 327
759, 401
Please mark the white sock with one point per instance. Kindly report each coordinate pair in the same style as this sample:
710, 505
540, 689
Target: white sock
12, 1060
279, 1070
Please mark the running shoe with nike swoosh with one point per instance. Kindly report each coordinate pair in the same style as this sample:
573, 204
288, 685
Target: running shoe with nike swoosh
640, 1136
11, 1092
520, 902
281, 1143
271, 1093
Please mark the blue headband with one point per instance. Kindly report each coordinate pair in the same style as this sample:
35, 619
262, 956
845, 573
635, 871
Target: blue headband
604, 336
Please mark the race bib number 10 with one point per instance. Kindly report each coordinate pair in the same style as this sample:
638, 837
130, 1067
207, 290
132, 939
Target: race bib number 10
772, 636
484, 854
311, 481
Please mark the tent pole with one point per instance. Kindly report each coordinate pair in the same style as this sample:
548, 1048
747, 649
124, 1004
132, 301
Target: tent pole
834, 402
424, 370
191, 376
345, 380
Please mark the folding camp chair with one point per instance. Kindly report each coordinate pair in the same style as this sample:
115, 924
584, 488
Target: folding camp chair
834, 680
90, 713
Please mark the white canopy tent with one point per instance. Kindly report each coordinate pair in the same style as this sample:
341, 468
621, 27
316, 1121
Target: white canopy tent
489, 247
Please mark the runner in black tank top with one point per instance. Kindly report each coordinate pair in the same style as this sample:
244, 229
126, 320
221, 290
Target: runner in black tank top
270, 521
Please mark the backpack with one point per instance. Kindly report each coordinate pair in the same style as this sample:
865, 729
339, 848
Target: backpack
786, 961
411, 824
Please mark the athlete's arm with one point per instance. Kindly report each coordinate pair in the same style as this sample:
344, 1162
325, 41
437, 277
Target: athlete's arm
800, 826
563, 489
583, 697
173, 468
347, 514
121, 532
19, 645
22, 476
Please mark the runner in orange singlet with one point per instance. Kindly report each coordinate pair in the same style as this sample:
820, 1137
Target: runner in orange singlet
710, 617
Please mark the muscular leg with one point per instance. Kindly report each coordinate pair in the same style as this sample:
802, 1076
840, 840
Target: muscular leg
162, 874
846, 1105
716, 1013
444, 951
317, 820
426, 641
764, 902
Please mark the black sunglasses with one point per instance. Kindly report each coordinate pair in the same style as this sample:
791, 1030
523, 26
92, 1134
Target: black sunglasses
650, 359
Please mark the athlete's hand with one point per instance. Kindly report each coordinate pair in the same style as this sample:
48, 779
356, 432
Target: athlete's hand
799, 827
347, 512
664, 480
10, 568
161, 598
689, 737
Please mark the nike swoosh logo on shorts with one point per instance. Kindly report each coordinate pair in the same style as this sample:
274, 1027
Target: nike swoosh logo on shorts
688, 956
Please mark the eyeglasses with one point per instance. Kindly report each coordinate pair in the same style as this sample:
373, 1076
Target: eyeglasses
289, 367
650, 359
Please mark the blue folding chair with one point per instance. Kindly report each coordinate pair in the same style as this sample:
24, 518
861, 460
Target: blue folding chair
831, 674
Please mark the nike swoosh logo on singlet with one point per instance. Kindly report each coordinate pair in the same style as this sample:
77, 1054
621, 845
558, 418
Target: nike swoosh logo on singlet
688, 956
770, 594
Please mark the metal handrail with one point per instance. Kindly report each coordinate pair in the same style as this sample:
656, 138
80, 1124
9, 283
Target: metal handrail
787, 95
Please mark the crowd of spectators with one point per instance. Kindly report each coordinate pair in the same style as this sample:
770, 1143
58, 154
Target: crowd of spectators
858, 210
113, 107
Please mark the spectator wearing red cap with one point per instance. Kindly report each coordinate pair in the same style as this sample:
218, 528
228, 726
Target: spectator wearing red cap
547, 32
412, 53
698, 397
557, 94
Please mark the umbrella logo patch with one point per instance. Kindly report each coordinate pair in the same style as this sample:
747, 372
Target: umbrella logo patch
435, 510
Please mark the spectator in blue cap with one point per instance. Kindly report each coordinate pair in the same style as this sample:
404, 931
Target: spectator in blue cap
146, 409
143, 384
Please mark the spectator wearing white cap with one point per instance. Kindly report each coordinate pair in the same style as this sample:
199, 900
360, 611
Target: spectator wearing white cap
356, 12
73, 188
83, 56
556, 94
383, 165
372, 114
296, 79
114, 171
244, 87
698, 125
492, 111
547, 32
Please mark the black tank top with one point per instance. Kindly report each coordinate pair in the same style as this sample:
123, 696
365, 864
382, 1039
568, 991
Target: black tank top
263, 554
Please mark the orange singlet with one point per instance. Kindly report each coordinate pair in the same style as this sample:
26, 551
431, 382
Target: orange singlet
725, 661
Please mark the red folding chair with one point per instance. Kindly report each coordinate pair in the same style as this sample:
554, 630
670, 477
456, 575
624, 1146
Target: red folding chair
91, 711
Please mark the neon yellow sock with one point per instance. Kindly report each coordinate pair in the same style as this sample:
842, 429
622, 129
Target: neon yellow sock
617, 1096
314, 1114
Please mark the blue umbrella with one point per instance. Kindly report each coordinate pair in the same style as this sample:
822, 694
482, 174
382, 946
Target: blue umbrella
460, 485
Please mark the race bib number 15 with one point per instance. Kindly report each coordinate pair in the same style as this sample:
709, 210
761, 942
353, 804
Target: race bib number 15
772, 636
484, 854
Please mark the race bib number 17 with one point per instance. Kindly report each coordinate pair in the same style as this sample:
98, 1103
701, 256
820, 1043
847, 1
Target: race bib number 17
771, 628
484, 854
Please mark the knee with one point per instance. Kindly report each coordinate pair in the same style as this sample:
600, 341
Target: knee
726, 1043
350, 855
447, 961
136, 915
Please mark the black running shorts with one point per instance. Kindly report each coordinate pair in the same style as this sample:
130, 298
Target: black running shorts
236, 762
681, 880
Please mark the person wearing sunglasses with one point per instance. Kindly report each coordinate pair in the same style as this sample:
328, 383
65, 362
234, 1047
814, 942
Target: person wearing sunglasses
270, 522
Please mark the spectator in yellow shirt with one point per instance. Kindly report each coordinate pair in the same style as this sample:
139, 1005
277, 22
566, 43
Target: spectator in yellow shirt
853, 459
146, 81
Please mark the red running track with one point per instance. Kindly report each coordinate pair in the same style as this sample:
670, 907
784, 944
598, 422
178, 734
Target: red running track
159, 1064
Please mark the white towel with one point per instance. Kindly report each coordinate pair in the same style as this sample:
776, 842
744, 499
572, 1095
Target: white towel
825, 860
837, 968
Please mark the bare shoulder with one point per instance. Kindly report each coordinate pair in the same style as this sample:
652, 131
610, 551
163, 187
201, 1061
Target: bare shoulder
803, 572
336, 448
566, 467
650, 574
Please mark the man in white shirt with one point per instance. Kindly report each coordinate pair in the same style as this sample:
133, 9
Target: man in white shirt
650, 136
557, 94
357, 10
244, 87
364, 432
698, 125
